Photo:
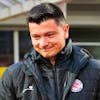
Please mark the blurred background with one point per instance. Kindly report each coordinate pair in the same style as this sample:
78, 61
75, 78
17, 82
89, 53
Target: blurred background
83, 16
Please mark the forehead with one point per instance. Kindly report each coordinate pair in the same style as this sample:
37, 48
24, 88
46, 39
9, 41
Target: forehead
48, 23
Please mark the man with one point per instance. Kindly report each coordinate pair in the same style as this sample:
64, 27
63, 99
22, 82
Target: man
54, 70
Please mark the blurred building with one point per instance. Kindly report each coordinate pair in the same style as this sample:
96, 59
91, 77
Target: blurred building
83, 16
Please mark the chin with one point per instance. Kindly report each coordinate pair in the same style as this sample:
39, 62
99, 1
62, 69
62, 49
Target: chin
48, 56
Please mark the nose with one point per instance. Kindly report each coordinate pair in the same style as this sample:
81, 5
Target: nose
43, 42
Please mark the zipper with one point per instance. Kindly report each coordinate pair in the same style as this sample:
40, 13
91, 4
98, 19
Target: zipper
55, 83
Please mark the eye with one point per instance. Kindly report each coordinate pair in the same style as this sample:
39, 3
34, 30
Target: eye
36, 37
51, 34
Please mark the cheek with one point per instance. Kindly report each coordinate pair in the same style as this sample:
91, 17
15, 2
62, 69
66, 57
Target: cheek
61, 39
59, 43
34, 43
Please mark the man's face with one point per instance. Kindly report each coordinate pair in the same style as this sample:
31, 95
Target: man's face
48, 38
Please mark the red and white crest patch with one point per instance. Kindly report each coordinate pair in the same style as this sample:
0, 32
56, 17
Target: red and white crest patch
77, 86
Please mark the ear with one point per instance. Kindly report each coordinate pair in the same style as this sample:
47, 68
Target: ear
66, 30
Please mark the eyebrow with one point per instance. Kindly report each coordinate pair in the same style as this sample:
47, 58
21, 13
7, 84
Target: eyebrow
50, 32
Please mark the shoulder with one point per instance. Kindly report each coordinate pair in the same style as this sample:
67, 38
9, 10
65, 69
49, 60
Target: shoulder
92, 68
83, 55
94, 63
12, 72
14, 68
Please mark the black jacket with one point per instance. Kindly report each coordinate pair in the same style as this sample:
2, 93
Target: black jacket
75, 76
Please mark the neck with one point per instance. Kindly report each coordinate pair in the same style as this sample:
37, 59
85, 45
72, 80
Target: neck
52, 60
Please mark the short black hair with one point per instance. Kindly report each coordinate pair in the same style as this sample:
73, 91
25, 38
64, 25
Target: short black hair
45, 11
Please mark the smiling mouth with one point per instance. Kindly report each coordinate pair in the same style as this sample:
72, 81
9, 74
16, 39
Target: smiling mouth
46, 50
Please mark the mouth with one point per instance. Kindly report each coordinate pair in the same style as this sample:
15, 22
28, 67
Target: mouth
46, 49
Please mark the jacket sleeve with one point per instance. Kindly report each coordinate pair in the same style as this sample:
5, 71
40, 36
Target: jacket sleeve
6, 87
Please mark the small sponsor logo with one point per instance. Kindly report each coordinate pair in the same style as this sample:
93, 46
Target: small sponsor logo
30, 88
